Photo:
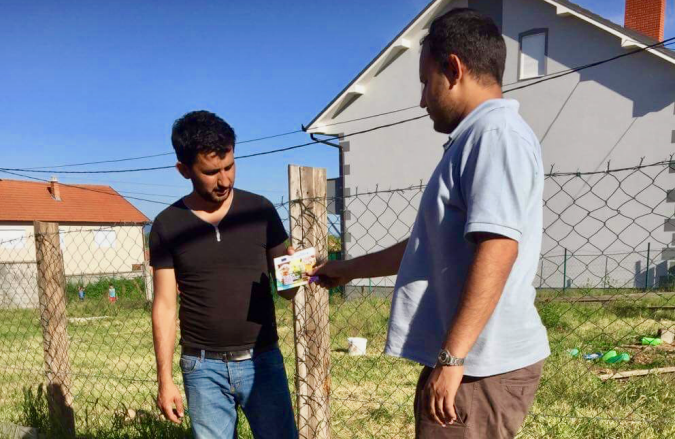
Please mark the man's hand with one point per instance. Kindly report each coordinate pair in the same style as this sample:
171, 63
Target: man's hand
332, 274
169, 396
440, 392
282, 249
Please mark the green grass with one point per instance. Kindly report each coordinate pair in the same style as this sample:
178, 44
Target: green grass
113, 370
547, 294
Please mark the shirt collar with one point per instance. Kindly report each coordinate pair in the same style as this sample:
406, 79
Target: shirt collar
477, 112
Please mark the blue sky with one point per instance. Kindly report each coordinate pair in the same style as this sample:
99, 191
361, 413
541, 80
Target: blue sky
85, 81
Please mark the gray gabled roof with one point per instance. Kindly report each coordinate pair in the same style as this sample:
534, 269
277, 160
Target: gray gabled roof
374, 60
629, 39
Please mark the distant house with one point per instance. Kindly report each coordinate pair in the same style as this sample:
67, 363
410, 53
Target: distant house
615, 113
101, 235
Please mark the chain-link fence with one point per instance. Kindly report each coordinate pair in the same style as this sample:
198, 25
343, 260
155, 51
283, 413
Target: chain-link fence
604, 283
75, 319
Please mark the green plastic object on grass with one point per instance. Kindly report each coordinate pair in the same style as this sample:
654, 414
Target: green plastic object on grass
618, 359
573, 352
649, 341
608, 355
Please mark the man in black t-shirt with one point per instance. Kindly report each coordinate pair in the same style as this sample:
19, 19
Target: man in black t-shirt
216, 245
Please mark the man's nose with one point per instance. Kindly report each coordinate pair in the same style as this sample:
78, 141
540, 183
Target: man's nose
223, 179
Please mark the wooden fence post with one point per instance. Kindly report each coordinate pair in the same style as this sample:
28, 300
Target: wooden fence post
52, 297
149, 287
309, 228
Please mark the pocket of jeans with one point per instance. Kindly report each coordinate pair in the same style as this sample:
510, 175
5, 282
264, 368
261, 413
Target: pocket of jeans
188, 364
269, 359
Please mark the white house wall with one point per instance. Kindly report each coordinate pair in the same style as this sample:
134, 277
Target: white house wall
84, 259
83, 256
617, 113
620, 111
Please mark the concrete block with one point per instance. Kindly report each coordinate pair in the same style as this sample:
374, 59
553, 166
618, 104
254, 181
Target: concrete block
13, 431
667, 335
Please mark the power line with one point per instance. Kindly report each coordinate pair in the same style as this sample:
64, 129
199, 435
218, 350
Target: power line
135, 183
163, 154
70, 165
106, 171
664, 43
101, 161
274, 151
175, 196
151, 195
371, 116
273, 136
594, 64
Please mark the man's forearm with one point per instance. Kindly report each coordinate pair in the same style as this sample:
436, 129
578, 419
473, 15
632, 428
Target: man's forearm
484, 286
382, 263
164, 337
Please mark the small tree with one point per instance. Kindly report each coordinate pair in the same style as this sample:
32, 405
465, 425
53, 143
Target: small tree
334, 244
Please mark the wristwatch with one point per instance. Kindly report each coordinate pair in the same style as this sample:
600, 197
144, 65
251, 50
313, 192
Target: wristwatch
445, 358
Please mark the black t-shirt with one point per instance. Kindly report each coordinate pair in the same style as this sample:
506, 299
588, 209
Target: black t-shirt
222, 272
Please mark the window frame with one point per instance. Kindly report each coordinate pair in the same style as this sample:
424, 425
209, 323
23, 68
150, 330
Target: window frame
17, 243
106, 241
537, 31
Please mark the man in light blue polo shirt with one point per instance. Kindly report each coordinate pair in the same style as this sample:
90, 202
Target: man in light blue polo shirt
464, 302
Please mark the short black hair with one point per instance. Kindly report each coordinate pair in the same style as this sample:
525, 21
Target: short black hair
201, 132
474, 38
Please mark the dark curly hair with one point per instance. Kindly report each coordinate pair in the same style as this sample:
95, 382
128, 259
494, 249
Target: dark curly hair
474, 38
201, 132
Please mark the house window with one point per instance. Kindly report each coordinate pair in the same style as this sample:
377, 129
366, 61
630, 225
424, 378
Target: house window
12, 238
105, 238
533, 52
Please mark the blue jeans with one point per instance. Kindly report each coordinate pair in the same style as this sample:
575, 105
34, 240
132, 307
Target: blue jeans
216, 388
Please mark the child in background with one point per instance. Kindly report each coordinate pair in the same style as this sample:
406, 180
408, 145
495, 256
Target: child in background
80, 293
112, 296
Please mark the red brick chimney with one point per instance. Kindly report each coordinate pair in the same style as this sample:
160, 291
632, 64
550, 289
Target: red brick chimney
646, 17
56, 191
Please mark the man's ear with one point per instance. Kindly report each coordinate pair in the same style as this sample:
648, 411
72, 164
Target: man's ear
184, 170
455, 70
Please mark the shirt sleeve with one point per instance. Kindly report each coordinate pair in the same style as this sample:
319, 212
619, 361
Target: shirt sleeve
160, 254
498, 182
276, 232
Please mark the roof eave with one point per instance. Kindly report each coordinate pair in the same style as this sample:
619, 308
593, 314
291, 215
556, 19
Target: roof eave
628, 40
314, 126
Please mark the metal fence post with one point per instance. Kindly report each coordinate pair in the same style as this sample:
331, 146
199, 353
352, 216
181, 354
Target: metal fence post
649, 246
565, 271
541, 273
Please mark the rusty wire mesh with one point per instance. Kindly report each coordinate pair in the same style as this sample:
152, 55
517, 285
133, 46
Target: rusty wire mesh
604, 282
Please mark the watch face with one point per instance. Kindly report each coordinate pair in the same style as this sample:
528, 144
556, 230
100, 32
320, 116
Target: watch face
446, 359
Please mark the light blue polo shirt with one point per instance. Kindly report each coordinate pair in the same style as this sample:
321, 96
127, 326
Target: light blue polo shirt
490, 179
